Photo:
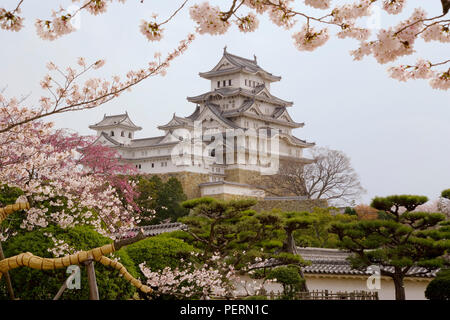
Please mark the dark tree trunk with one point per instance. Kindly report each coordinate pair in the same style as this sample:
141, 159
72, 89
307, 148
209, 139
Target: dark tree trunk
290, 247
399, 288
289, 244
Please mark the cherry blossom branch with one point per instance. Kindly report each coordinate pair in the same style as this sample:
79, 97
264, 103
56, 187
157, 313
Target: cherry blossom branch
91, 98
174, 14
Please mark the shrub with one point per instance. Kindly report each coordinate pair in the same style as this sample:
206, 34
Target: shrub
160, 252
37, 284
350, 211
289, 277
439, 287
445, 194
8, 195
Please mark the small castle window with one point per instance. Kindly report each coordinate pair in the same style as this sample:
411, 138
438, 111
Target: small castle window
122, 134
139, 166
218, 84
129, 135
224, 83
229, 82
245, 81
112, 133
153, 165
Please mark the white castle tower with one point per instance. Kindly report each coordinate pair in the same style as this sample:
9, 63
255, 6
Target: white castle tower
239, 102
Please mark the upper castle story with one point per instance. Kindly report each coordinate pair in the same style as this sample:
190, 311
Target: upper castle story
237, 72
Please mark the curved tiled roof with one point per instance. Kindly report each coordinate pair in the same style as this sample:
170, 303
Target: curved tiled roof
146, 142
215, 109
152, 230
240, 64
114, 120
231, 91
334, 262
104, 135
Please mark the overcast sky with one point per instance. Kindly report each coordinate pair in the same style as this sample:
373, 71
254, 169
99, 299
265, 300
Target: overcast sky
396, 134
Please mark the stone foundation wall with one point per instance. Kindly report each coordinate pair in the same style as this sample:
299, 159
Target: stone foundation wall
256, 179
289, 205
228, 197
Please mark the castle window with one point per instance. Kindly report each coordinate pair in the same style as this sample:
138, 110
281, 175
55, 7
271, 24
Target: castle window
218, 84
245, 81
153, 165
112, 133
129, 135
122, 134
224, 83
229, 82
139, 166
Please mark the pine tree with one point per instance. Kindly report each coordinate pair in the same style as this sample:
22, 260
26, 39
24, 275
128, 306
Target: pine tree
399, 242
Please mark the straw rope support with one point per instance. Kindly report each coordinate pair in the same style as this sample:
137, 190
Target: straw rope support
6, 211
27, 259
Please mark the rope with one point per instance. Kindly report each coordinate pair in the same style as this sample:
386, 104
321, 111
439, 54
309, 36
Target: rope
4, 212
123, 271
29, 260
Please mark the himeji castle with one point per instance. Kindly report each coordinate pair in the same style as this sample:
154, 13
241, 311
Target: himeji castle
238, 134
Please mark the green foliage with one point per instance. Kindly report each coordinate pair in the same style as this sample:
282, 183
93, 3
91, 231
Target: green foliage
401, 240
289, 258
168, 201
9, 195
37, 284
160, 252
350, 211
439, 287
317, 234
392, 204
163, 198
445, 194
231, 228
289, 277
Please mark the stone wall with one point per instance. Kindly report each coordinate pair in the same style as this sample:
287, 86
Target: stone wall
256, 179
289, 205
228, 197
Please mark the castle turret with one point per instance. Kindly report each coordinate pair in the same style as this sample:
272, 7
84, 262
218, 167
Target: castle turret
117, 127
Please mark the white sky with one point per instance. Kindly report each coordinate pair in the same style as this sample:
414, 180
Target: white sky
397, 134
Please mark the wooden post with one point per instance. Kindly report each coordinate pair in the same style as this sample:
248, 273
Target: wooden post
7, 277
93, 289
64, 286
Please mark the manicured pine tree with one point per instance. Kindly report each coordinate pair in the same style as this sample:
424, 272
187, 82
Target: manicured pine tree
399, 242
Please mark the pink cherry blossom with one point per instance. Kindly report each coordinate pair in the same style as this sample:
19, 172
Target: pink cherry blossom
308, 39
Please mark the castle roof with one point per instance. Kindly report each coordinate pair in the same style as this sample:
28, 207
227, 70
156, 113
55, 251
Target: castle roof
176, 122
335, 262
122, 120
259, 93
215, 109
146, 142
231, 63
245, 109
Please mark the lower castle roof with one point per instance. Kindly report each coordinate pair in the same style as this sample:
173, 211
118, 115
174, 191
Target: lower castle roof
334, 262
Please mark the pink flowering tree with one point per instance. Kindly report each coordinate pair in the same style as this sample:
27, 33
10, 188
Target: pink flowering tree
66, 179
312, 22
